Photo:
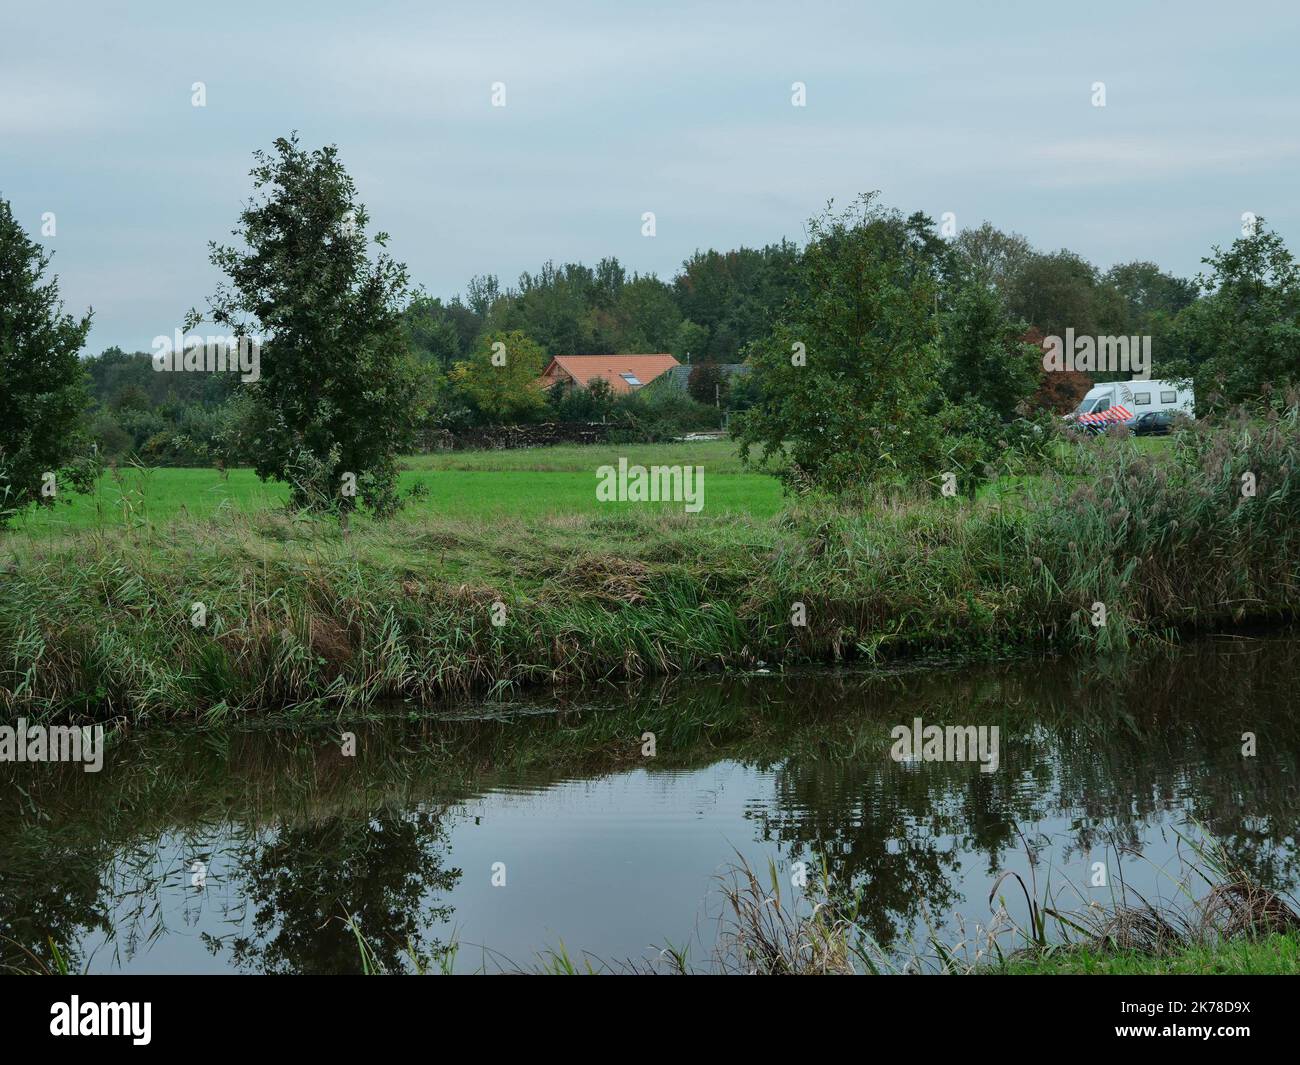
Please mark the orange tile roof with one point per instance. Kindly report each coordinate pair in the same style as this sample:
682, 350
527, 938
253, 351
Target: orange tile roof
583, 369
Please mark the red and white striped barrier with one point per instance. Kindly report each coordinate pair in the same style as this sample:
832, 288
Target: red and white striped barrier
1106, 417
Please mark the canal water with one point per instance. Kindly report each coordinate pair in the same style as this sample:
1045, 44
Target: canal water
603, 825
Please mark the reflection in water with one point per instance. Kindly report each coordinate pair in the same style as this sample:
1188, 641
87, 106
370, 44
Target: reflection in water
378, 871
250, 851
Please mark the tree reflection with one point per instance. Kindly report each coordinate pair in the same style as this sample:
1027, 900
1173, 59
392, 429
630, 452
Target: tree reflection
307, 881
1108, 749
1115, 752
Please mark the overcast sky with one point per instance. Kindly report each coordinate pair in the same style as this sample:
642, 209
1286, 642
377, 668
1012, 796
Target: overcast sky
985, 110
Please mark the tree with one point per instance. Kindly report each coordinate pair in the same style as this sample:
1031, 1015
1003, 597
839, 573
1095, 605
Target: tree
647, 316
500, 378
1058, 392
992, 255
440, 333
690, 341
1060, 291
1242, 339
734, 296
42, 383
707, 384
484, 290
608, 283
1151, 302
846, 375
1149, 292
985, 354
554, 307
339, 393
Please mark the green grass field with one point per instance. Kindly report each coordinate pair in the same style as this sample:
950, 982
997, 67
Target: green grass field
524, 483
528, 483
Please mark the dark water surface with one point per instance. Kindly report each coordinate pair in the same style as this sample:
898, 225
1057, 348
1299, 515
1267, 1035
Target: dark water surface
612, 853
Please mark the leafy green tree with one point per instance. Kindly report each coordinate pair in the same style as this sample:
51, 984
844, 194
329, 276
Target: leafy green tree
648, 320
985, 356
554, 306
1062, 290
1242, 339
483, 291
847, 374
691, 341
1148, 293
575, 309
992, 255
42, 383
1152, 300
743, 392
607, 285
441, 334
500, 378
735, 296
340, 392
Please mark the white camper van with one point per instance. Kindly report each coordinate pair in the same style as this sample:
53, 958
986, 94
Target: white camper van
1124, 402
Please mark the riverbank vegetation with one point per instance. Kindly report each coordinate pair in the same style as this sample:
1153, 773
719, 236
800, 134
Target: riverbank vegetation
298, 613
1271, 955
1218, 920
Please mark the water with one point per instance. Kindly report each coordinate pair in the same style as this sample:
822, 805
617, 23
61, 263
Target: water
224, 851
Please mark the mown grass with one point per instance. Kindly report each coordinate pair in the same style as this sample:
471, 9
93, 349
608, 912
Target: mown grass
527, 483
97, 622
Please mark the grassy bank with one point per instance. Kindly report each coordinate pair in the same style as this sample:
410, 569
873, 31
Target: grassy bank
1219, 919
97, 622
1275, 955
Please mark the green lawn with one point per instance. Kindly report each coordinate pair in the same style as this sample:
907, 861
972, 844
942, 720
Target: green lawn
524, 483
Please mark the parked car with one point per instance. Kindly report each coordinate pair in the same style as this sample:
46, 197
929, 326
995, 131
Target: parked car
1154, 423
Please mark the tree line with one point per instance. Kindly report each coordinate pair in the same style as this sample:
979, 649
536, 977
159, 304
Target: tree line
875, 345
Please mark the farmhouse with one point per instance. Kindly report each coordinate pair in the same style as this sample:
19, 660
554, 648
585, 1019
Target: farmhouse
625, 373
